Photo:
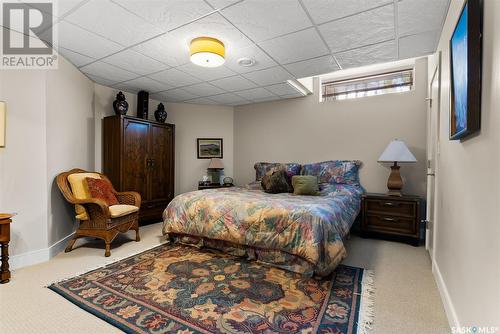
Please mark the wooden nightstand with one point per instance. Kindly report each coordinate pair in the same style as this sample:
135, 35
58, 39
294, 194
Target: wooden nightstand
392, 217
212, 186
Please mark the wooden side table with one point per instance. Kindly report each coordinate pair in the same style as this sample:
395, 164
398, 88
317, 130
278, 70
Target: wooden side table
5, 220
392, 217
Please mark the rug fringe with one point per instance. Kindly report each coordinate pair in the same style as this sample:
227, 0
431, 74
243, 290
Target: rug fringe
366, 309
101, 265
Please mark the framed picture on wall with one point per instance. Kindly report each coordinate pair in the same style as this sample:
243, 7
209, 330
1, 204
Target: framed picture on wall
465, 71
209, 148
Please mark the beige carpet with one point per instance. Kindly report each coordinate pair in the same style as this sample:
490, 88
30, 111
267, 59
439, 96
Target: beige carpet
406, 297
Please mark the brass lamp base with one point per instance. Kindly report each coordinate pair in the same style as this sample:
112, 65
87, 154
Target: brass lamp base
395, 182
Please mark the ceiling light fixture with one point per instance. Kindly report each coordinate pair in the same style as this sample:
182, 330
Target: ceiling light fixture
207, 52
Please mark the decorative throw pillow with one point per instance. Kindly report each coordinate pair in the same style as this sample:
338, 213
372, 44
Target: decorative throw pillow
276, 183
305, 185
334, 171
102, 189
262, 168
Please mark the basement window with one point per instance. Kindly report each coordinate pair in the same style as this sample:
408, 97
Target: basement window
378, 84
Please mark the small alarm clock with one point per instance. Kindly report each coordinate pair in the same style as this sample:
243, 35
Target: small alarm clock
227, 182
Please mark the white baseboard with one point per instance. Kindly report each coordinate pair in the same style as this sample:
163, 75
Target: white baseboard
38, 256
449, 309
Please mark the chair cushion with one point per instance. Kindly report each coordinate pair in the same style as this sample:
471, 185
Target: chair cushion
120, 210
102, 189
80, 190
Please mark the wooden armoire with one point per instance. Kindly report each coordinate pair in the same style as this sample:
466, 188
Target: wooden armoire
138, 155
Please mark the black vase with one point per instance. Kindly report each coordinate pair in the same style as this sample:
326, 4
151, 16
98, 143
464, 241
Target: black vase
161, 113
120, 105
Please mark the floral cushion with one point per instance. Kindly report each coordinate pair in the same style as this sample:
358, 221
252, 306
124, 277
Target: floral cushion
102, 189
276, 182
80, 191
261, 168
334, 171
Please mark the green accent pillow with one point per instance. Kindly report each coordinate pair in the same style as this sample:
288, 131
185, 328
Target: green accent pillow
305, 185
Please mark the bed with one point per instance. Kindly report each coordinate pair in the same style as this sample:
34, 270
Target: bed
303, 234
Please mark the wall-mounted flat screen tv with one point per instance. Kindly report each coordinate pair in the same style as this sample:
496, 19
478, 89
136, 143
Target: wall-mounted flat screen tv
465, 71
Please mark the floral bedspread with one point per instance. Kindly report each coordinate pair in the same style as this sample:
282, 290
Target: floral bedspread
301, 233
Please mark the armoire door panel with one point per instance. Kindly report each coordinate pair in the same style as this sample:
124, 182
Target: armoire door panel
135, 155
161, 154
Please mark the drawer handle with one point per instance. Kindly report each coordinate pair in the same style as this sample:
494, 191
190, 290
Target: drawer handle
387, 219
390, 204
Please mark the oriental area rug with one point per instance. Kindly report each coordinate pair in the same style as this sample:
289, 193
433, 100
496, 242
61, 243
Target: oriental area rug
181, 289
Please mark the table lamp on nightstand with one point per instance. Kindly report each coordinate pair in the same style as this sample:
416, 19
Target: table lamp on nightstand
395, 152
214, 170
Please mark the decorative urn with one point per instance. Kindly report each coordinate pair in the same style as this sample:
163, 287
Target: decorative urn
120, 105
161, 113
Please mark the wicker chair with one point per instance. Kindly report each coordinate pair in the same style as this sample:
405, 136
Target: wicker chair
100, 223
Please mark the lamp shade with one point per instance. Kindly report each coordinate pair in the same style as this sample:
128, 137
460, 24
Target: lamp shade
2, 123
215, 164
207, 52
397, 151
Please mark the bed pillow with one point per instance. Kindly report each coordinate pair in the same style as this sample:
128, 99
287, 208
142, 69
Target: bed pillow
305, 185
102, 189
334, 171
262, 168
276, 182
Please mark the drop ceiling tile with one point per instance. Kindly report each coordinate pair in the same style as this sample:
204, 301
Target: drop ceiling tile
136, 62
420, 16
268, 76
262, 60
322, 11
174, 78
296, 46
201, 100
418, 45
261, 20
311, 67
235, 83
101, 81
206, 73
167, 14
266, 99
281, 89
219, 4
373, 54
228, 98
113, 22
175, 95
147, 84
165, 48
255, 93
75, 58
370, 27
173, 48
84, 42
110, 72
203, 89
126, 88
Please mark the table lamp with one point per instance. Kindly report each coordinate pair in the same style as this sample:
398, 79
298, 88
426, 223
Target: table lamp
214, 169
395, 152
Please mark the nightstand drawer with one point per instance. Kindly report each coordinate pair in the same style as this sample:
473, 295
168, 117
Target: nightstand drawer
388, 223
391, 206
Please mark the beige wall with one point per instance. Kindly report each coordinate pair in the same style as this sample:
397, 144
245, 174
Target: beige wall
191, 121
467, 228
70, 139
305, 130
48, 131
